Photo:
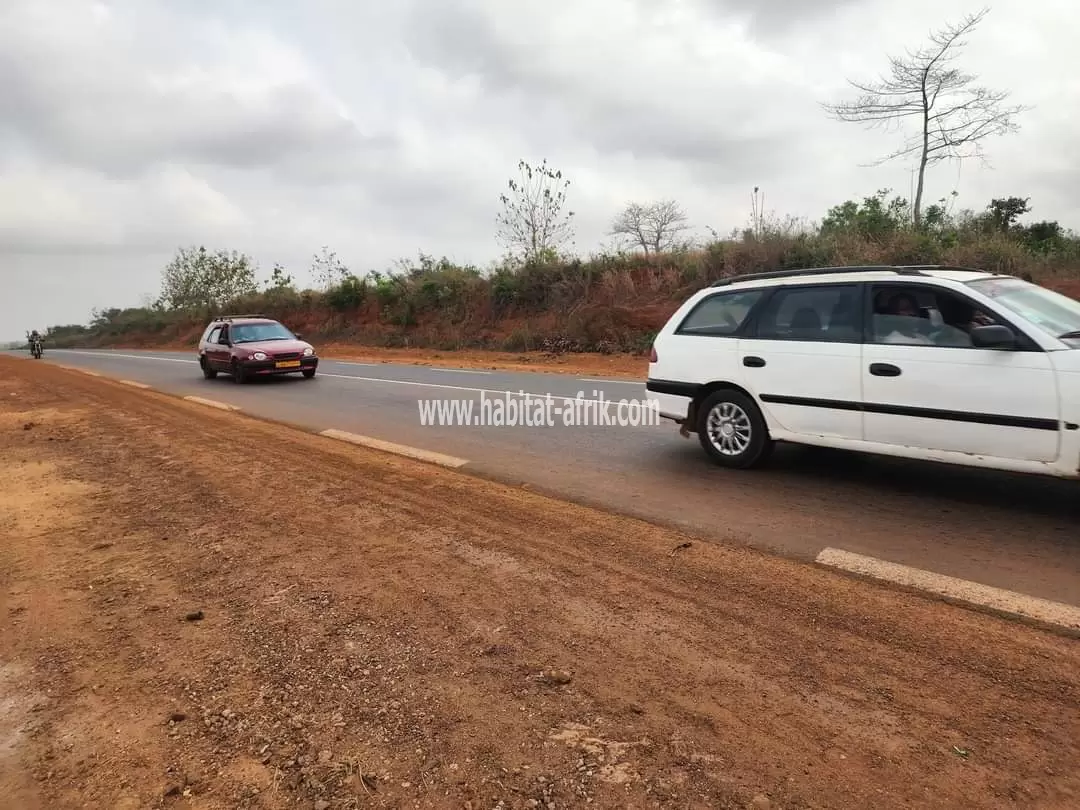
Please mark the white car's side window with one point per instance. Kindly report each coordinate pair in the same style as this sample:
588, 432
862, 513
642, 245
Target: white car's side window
827, 313
719, 315
920, 316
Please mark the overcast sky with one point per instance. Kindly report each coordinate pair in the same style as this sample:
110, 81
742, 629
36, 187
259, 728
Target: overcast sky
131, 127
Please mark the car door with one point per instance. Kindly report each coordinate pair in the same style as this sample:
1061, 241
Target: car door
802, 357
931, 389
209, 344
218, 350
703, 346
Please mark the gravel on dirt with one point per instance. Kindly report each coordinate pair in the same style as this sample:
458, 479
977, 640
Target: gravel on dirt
376, 632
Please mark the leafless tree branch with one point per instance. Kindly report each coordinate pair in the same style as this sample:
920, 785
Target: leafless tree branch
955, 115
652, 227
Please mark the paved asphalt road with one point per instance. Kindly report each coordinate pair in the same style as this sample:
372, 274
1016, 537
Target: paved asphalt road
1012, 532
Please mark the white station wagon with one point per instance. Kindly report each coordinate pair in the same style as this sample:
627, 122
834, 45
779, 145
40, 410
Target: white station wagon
938, 363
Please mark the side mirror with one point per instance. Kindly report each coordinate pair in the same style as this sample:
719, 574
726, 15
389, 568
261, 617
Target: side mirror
298, 336
994, 336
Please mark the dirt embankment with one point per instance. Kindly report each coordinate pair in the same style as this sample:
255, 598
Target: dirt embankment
204, 611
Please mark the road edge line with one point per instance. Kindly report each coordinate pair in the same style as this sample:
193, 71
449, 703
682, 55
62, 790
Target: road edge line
414, 453
213, 403
89, 372
135, 384
961, 591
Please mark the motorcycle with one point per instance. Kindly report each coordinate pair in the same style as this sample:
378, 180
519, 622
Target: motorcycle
37, 348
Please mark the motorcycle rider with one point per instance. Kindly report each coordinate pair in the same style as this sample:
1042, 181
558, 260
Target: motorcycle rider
35, 340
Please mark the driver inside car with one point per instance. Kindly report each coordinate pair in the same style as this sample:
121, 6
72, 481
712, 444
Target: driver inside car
960, 318
904, 318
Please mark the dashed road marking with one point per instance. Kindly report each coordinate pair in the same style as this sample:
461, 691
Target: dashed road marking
134, 384
397, 449
459, 370
213, 403
961, 590
89, 372
611, 382
128, 356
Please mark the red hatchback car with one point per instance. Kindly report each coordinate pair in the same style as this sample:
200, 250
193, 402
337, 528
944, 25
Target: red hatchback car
246, 346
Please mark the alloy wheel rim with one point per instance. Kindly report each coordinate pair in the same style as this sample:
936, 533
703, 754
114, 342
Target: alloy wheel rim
729, 429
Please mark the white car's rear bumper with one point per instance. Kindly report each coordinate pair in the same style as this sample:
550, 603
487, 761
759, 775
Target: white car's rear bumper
671, 406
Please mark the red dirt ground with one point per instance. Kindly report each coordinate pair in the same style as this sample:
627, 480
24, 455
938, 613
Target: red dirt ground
208, 611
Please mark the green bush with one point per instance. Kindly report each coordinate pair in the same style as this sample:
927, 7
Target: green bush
612, 301
348, 295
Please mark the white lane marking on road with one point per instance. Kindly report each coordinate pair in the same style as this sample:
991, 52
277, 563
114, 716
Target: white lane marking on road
213, 403
1056, 613
458, 370
355, 378
134, 384
128, 356
532, 395
397, 449
612, 382
89, 372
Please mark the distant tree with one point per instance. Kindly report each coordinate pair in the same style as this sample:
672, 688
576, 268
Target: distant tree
279, 279
327, 271
1043, 237
875, 217
197, 278
653, 227
954, 115
757, 213
940, 215
534, 223
1004, 212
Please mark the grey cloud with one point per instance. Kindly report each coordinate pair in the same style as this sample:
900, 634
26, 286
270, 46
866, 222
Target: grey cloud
768, 18
91, 107
714, 132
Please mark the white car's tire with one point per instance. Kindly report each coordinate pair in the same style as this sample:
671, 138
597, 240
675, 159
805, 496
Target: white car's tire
732, 430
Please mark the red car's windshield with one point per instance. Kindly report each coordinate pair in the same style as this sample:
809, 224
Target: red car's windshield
255, 332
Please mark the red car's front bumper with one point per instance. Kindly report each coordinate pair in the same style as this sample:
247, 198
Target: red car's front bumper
264, 367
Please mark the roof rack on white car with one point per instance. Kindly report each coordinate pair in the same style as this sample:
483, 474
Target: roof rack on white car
238, 317
903, 270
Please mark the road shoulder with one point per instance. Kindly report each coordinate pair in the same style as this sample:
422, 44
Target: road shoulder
266, 613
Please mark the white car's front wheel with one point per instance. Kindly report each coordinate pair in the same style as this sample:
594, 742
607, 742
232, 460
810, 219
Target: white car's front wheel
732, 430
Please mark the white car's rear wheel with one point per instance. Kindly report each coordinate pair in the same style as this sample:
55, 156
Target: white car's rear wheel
732, 430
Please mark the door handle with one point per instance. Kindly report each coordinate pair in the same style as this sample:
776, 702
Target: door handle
753, 362
884, 370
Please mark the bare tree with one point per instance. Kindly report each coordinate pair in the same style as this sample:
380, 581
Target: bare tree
954, 114
652, 227
534, 223
327, 271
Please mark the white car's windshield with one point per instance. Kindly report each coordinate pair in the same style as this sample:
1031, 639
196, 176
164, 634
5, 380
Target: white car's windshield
1053, 312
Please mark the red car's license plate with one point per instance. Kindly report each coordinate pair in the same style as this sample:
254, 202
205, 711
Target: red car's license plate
287, 364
